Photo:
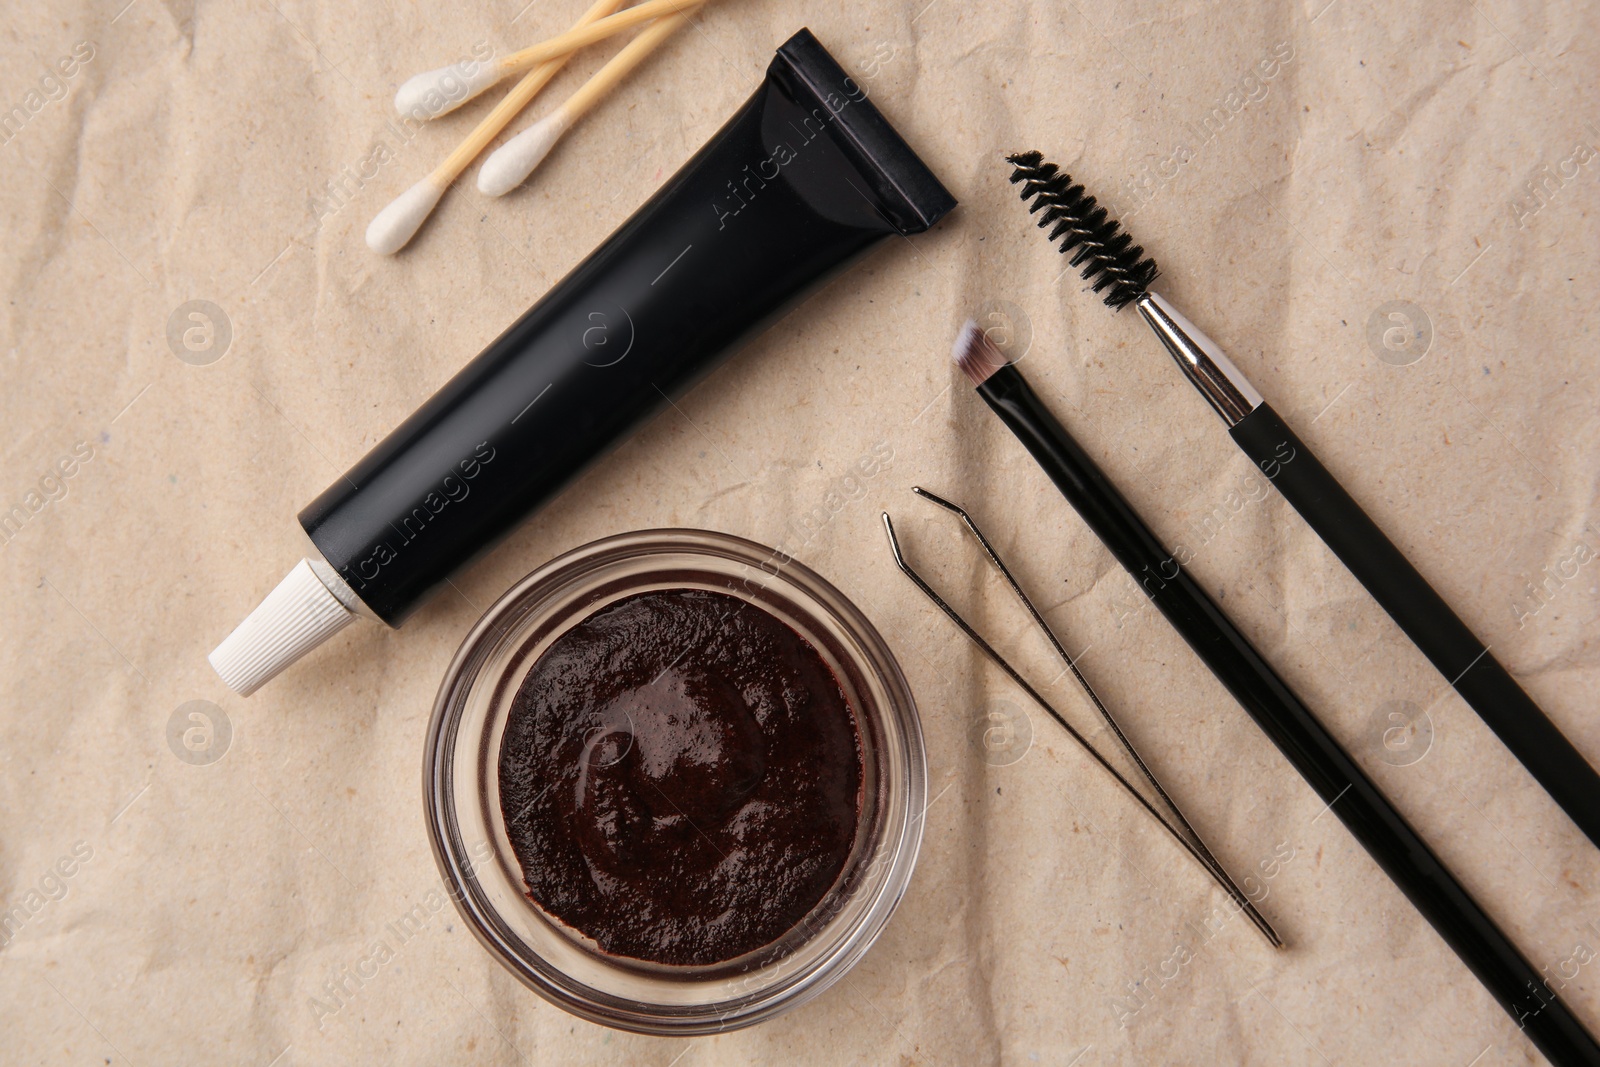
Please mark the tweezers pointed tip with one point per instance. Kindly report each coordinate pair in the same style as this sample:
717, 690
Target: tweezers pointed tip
941, 501
894, 543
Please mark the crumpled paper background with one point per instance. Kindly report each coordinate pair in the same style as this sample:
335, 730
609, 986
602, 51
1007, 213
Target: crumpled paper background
1392, 233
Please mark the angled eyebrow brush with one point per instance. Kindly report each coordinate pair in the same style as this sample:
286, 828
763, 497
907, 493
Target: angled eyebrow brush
1113, 264
1282, 716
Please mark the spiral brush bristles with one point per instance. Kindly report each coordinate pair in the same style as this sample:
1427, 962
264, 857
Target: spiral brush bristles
1109, 259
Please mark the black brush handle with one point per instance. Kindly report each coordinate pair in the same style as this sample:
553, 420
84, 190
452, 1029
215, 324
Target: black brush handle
1351, 795
1424, 616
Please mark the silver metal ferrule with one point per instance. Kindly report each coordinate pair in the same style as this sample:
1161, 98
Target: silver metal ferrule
1212, 372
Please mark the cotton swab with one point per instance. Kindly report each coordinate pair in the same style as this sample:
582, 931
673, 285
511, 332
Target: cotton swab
439, 92
397, 223
453, 89
511, 163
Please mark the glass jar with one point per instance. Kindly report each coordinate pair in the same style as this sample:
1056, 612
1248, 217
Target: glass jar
467, 827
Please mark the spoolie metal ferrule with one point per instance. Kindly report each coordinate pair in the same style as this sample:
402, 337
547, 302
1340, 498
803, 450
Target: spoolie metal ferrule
1212, 372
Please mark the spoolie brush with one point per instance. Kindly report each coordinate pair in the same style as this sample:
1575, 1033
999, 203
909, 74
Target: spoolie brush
1110, 260
1113, 261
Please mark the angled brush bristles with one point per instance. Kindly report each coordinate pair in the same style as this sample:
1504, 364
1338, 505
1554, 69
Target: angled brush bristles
975, 354
1108, 258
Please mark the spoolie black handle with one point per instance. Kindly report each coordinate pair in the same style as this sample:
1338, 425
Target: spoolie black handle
1424, 616
1303, 740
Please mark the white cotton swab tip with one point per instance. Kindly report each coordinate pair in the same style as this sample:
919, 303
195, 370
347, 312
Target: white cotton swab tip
439, 92
510, 164
396, 224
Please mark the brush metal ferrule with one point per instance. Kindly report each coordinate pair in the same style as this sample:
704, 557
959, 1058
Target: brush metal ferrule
1212, 372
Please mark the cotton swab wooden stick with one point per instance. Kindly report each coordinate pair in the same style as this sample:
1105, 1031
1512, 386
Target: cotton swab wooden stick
449, 85
397, 223
510, 164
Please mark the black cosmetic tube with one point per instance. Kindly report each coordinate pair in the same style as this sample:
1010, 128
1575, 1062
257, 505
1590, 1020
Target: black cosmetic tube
804, 179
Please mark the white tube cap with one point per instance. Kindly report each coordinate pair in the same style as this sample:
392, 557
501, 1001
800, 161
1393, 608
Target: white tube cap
297, 616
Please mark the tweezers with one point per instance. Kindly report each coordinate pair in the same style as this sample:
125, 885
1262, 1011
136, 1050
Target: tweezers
1183, 832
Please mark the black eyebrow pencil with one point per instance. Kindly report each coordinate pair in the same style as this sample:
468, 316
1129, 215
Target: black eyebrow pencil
1350, 794
1110, 260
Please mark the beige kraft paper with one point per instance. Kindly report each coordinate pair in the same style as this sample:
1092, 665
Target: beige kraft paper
1385, 214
